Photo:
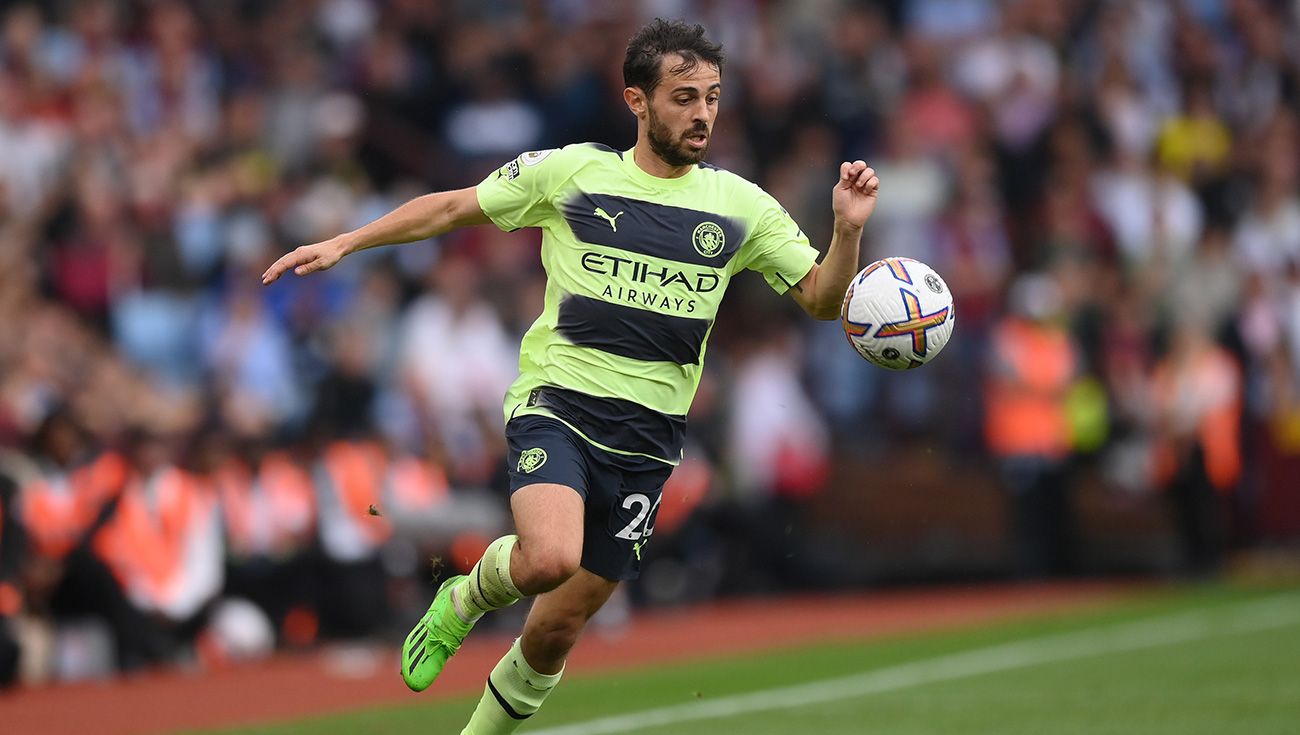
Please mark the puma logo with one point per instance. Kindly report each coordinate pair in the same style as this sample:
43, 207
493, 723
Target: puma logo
605, 216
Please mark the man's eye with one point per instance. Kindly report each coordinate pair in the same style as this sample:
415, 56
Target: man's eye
683, 100
713, 100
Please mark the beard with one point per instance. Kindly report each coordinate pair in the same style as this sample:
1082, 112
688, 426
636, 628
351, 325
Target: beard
674, 151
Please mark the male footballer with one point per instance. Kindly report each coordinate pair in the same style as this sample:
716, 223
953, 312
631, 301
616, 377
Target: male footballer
638, 246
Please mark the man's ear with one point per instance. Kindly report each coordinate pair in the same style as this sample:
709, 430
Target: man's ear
636, 101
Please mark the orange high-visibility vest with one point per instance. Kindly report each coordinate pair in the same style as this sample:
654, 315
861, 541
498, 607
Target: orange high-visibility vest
144, 543
356, 471
268, 513
58, 509
416, 484
104, 478
52, 515
1218, 431
1025, 412
293, 500
238, 512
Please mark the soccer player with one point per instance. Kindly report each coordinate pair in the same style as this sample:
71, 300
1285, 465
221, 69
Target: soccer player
639, 246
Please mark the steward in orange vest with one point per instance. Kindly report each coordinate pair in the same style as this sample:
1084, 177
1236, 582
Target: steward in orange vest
65, 507
60, 508
349, 478
67, 491
269, 513
268, 508
64, 497
1196, 396
163, 545
1033, 363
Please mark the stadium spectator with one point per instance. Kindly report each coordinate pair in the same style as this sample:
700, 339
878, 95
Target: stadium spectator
778, 448
456, 363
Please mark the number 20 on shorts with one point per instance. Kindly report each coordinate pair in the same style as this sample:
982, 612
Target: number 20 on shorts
640, 527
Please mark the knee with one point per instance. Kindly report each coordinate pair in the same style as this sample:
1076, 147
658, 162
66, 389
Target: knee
546, 568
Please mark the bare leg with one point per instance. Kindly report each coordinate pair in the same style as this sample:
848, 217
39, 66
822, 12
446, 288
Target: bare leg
558, 618
549, 522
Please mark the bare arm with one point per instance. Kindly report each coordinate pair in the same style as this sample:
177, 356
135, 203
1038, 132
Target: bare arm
418, 219
853, 199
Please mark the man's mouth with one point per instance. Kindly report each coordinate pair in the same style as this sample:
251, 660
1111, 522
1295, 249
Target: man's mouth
698, 140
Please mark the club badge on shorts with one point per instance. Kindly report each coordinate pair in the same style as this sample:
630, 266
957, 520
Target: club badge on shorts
531, 459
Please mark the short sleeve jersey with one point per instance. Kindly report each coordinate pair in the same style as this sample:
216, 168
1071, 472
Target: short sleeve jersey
636, 268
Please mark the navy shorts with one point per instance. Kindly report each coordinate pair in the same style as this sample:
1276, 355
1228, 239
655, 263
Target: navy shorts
620, 493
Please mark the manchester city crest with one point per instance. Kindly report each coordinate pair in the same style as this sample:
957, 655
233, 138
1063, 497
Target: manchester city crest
531, 459
708, 239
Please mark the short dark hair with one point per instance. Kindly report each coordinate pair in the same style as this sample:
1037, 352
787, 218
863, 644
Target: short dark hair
659, 38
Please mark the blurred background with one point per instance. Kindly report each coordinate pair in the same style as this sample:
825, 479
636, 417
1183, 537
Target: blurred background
195, 468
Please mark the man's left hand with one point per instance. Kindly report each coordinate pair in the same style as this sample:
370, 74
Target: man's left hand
854, 197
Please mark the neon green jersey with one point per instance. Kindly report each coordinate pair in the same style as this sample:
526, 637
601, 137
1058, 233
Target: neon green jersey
636, 267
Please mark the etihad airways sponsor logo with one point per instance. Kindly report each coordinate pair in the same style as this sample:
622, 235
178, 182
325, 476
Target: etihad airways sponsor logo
650, 298
640, 271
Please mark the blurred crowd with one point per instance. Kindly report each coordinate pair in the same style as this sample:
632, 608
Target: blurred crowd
194, 467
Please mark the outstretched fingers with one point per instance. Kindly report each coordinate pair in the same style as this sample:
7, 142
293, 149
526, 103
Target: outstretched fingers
300, 260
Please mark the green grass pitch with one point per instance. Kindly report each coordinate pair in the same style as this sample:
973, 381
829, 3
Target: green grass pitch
1201, 661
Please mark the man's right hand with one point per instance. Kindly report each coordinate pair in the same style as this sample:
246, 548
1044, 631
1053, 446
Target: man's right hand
419, 219
307, 259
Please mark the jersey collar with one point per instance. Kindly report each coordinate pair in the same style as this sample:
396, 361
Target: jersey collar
638, 174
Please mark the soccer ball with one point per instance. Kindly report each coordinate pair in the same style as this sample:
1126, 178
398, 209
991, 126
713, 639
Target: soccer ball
897, 313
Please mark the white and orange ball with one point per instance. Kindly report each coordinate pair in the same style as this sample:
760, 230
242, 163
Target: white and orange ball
897, 313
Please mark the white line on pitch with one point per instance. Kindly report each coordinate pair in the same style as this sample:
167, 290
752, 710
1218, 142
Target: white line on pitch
1247, 617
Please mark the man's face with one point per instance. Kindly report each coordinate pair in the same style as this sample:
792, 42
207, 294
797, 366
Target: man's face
681, 111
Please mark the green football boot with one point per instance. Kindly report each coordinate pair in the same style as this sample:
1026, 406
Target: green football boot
434, 639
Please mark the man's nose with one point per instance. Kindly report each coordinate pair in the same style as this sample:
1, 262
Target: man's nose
700, 111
